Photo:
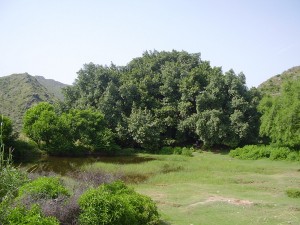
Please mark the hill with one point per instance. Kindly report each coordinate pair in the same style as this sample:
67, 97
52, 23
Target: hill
52, 86
273, 85
18, 92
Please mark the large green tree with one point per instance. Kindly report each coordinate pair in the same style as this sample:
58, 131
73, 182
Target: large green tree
189, 99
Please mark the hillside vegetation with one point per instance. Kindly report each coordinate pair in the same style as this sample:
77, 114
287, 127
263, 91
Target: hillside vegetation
18, 92
273, 85
54, 87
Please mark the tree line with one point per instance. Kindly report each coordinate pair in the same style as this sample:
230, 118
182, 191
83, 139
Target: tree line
163, 99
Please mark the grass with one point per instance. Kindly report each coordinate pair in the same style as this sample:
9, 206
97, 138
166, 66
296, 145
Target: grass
215, 189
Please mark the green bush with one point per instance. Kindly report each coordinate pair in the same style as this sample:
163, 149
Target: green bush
10, 180
250, 152
293, 156
293, 193
187, 152
261, 151
116, 204
166, 150
21, 216
177, 150
43, 187
280, 153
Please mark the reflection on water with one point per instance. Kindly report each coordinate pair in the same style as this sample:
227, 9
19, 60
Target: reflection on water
63, 165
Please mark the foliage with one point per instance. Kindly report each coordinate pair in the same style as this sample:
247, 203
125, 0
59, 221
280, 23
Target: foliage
116, 204
6, 130
262, 151
281, 116
10, 178
144, 129
168, 98
167, 150
69, 132
21, 216
43, 187
187, 151
293, 193
280, 153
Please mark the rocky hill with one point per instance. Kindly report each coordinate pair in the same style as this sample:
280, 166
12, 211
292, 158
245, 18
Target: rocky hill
272, 86
18, 92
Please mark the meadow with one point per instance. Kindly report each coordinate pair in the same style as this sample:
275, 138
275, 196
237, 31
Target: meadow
211, 188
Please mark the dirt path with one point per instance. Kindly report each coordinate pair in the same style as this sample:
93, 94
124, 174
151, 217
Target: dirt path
232, 201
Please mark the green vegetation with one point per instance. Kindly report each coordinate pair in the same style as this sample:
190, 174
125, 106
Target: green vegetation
168, 150
156, 103
273, 86
18, 92
43, 187
10, 178
262, 151
293, 193
212, 188
52, 86
116, 204
280, 120
22, 216
68, 133
168, 98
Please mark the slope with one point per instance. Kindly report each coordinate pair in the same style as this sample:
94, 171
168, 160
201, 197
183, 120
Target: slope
52, 86
18, 92
273, 85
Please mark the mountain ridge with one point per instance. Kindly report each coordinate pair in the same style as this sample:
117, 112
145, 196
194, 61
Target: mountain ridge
20, 91
273, 85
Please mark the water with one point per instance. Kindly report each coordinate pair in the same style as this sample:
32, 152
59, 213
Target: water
64, 165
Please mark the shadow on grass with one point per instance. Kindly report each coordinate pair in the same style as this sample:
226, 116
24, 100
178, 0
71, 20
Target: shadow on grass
164, 223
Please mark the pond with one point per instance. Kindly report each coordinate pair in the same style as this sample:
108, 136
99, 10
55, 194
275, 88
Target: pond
64, 165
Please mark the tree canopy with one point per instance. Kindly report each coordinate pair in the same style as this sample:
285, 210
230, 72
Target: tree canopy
280, 119
64, 133
167, 98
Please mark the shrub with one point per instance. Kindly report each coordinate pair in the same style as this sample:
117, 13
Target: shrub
187, 152
293, 193
166, 150
125, 152
20, 215
10, 180
116, 204
293, 156
177, 150
25, 150
250, 152
280, 153
43, 187
258, 152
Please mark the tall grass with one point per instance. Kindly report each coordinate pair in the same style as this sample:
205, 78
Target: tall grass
11, 178
4, 162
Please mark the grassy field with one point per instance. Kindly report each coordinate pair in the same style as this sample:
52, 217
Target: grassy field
215, 189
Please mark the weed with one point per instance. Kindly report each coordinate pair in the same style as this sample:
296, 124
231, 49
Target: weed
293, 193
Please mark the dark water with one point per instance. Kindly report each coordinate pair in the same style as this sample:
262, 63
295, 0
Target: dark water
64, 165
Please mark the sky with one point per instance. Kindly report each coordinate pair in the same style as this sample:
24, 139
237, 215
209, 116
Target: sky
55, 38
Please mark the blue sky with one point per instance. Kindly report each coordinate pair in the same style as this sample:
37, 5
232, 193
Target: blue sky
54, 38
